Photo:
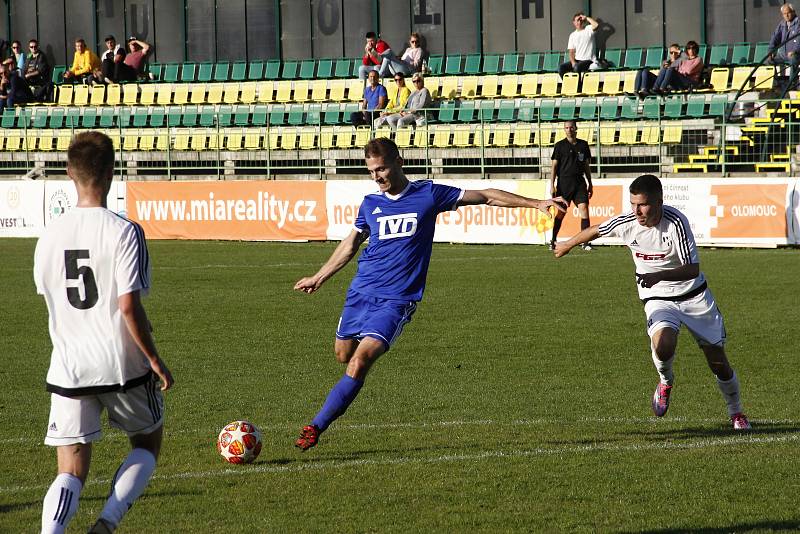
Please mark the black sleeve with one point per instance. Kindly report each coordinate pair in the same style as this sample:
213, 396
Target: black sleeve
556, 152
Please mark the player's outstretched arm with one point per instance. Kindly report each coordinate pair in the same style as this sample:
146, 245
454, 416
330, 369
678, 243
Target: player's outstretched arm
589, 234
504, 199
690, 271
130, 305
343, 254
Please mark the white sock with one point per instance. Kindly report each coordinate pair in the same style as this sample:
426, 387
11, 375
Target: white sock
730, 392
129, 482
664, 369
60, 503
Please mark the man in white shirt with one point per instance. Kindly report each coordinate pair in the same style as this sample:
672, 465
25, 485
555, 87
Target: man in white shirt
92, 266
581, 48
672, 287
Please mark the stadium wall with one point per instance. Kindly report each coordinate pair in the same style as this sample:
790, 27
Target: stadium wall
213, 30
753, 211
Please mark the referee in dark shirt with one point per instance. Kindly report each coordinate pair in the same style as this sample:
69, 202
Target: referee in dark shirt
571, 177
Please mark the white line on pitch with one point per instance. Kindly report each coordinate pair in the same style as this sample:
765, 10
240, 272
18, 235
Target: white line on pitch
741, 439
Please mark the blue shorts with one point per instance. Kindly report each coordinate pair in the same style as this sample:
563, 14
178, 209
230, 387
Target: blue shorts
366, 316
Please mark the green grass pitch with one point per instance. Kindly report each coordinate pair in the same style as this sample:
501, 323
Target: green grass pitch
518, 399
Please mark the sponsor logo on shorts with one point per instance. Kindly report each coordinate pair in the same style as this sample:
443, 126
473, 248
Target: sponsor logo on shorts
53, 427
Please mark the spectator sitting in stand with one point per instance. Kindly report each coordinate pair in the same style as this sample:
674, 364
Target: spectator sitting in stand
374, 100
112, 62
686, 75
17, 54
136, 58
18, 90
84, 63
374, 51
397, 100
412, 112
646, 80
36, 72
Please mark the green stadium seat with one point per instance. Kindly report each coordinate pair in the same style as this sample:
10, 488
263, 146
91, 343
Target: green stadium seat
609, 109
343, 67
307, 67
39, 119
157, 116
58, 73
225, 115
613, 57
190, 116
653, 57
325, 69
472, 64
296, 115
506, 110
466, 111
741, 54
189, 72
222, 72
696, 106
88, 119
272, 70
718, 106
491, 64
140, 116
673, 108
702, 52
207, 116
239, 71
547, 110
566, 109
241, 115
453, 64
447, 111
510, 63
588, 109
155, 70
760, 52
290, 69
260, 115
630, 108
331, 114
435, 64
552, 60
314, 114
527, 111
174, 116
486, 110
255, 70
9, 119
532, 62
719, 55
277, 116
171, 72
123, 117
633, 59
72, 118
56, 118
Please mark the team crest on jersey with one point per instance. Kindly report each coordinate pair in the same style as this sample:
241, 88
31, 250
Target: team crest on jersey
399, 225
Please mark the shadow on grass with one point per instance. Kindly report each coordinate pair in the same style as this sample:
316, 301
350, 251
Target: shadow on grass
760, 526
6, 508
759, 429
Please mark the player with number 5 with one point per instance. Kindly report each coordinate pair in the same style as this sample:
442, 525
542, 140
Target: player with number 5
92, 267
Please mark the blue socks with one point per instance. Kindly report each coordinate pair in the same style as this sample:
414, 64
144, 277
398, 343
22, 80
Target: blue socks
340, 397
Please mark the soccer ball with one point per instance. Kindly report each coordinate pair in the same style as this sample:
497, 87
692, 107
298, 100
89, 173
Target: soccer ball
239, 442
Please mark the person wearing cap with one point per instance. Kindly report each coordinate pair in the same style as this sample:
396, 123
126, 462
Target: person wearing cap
112, 61
412, 112
137, 56
84, 63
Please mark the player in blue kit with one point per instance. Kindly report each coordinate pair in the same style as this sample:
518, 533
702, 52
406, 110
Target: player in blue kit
399, 222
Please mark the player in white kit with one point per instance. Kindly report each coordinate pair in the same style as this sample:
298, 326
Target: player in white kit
672, 287
92, 266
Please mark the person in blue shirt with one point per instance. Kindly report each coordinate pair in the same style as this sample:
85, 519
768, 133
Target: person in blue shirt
784, 46
399, 222
375, 98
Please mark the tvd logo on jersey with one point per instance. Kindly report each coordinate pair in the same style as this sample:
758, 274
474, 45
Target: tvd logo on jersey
394, 226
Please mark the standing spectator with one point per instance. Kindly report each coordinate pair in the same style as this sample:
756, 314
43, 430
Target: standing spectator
646, 80
398, 97
18, 55
83, 64
373, 55
418, 100
684, 76
374, 100
571, 178
136, 57
782, 49
18, 90
37, 73
112, 62
580, 46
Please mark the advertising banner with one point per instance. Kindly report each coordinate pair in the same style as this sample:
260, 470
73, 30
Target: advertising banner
21, 212
242, 210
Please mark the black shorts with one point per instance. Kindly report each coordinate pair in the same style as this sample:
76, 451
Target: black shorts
572, 190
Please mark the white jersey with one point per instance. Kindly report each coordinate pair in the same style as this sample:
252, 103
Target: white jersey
582, 41
667, 245
83, 263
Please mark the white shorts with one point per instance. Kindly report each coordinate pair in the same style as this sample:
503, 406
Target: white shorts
139, 410
700, 314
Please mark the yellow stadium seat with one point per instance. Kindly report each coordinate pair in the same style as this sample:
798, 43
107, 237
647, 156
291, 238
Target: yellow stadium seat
253, 140
628, 132
363, 136
181, 141
197, 94
650, 134
164, 95
308, 138
198, 141
114, 94
130, 94
29, 141
97, 95
569, 84
180, 95
489, 86
384, 131
131, 141
741, 75
65, 93
546, 134
588, 132
469, 87
327, 137
355, 90
249, 93
461, 136
214, 139
509, 86
719, 79
502, 135
549, 84
214, 95
319, 90
233, 141
63, 140
611, 83
273, 139
608, 134
672, 133
403, 136
441, 135
46, 138
230, 93
591, 83
482, 135
80, 95
13, 141
530, 85
432, 84
764, 78
338, 88
301, 89
266, 92
146, 141
114, 136
162, 141
628, 81
288, 139
449, 88
344, 136
522, 135
421, 137
148, 95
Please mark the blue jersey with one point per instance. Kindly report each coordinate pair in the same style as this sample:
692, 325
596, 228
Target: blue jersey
394, 264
